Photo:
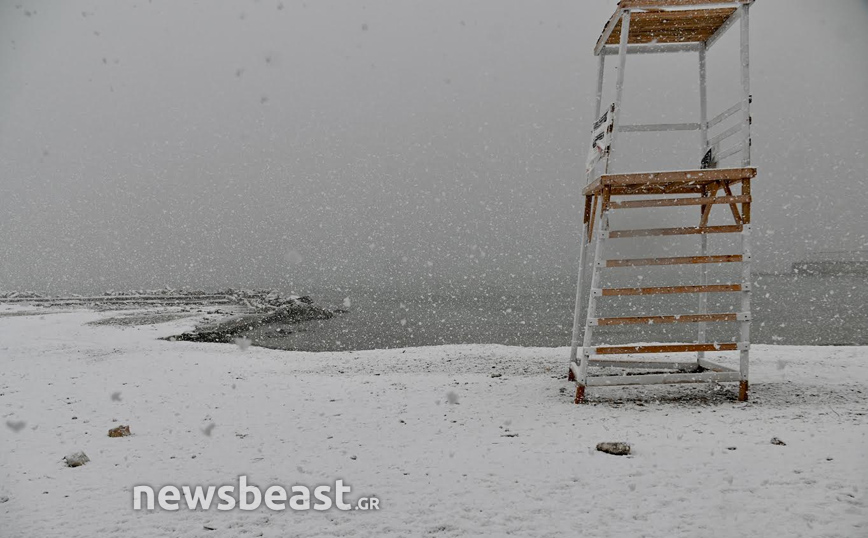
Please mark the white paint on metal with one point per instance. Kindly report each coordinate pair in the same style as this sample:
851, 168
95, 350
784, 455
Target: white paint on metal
601, 71
713, 366
744, 332
703, 241
725, 114
657, 379
607, 31
745, 82
717, 139
602, 227
662, 48
645, 365
731, 151
655, 127
619, 85
578, 307
652, 4
722, 30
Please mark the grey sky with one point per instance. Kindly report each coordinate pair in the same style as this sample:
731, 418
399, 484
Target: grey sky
289, 144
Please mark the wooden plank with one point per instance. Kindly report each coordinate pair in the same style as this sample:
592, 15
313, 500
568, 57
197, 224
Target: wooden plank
677, 202
592, 187
685, 26
669, 187
683, 176
706, 209
694, 20
593, 218
640, 190
657, 379
667, 290
734, 208
690, 230
663, 348
680, 260
654, 320
672, 23
745, 208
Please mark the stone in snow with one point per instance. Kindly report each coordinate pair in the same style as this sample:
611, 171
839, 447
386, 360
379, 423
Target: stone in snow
76, 459
120, 431
618, 449
776, 441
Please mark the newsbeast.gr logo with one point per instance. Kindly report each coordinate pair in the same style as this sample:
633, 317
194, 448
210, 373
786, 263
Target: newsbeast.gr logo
249, 497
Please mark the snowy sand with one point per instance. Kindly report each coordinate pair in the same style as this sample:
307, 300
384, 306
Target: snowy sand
513, 456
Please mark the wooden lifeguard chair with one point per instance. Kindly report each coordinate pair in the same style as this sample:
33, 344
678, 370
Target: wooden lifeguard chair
664, 27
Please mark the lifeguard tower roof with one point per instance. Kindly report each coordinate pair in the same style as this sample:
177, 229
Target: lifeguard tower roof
670, 21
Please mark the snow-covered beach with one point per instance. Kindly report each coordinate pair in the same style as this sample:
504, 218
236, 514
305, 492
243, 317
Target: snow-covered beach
475, 440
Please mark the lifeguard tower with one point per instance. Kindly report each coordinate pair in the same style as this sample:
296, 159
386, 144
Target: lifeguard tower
667, 27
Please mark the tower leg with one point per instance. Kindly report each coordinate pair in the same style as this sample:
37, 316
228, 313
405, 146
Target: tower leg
580, 394
703, 300
597, 264
744, 352
578, 306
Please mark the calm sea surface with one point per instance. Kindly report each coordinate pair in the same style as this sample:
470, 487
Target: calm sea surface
788, 309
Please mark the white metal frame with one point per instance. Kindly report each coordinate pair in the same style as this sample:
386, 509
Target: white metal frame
715, 372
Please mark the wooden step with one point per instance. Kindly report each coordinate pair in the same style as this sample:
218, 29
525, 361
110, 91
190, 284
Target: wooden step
690, 230
693, 177
680, 260
672, 202
663, 348
714, 288
651, 320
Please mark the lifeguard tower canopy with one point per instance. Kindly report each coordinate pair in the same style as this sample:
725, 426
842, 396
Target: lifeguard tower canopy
669, 22
650, 27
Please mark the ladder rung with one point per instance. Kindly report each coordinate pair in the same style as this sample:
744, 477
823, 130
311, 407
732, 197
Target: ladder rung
671, 202
681, 260
686, 318
714, 288
691, 230
664, 348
